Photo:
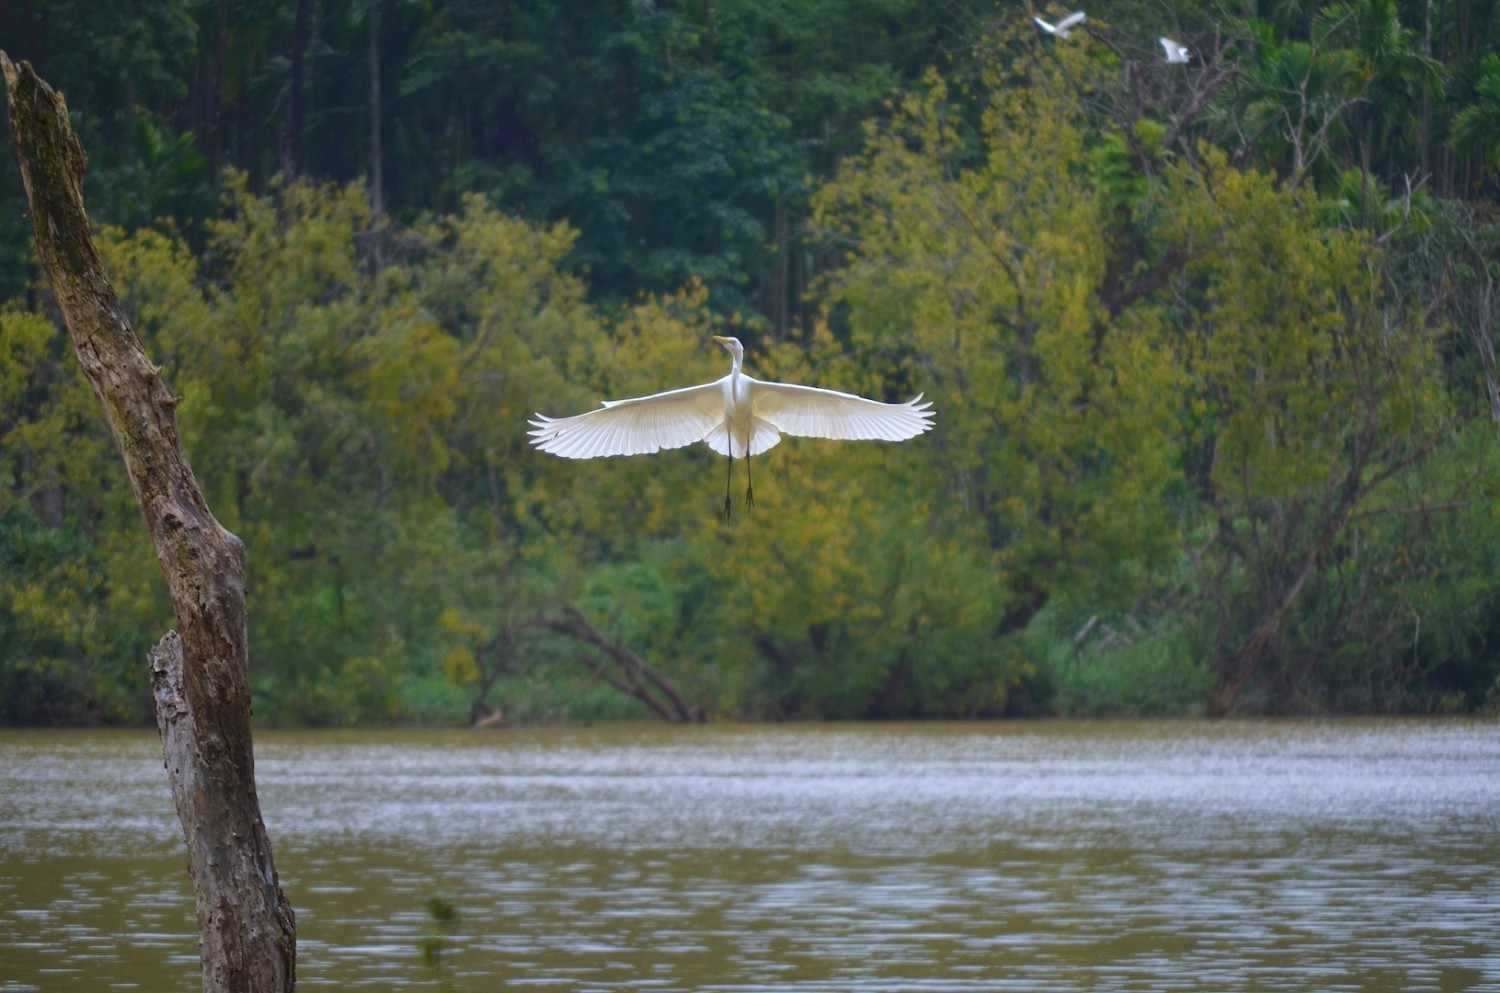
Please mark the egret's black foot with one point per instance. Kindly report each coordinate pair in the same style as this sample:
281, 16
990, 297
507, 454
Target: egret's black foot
727, 514
749, 496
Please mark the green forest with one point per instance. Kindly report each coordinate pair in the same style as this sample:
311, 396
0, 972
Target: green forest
1211, 344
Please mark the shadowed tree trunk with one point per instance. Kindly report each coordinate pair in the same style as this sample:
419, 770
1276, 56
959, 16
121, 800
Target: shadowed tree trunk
377, 146
200, 672
213, 118
291, 147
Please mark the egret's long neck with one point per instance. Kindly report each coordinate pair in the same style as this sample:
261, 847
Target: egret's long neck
735, 359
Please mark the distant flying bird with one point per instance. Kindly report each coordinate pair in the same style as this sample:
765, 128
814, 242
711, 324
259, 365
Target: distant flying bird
1062, 28
1175, 53
736, 416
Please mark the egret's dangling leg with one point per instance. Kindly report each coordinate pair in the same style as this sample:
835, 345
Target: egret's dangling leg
749, 481
728, 481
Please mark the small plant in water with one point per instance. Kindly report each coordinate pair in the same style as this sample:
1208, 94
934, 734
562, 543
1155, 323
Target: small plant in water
444, 919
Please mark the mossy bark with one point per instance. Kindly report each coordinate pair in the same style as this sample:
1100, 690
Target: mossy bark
201, 670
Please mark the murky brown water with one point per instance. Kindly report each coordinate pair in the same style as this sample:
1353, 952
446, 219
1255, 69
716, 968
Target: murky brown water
952, 858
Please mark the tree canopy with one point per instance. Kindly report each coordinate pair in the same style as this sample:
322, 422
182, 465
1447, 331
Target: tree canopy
1212, 347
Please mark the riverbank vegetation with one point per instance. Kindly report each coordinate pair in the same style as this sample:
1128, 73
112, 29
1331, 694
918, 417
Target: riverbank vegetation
1212, 347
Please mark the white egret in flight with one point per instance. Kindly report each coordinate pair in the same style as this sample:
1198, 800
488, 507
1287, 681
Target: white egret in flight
1062, 28
737, 416
1175, 53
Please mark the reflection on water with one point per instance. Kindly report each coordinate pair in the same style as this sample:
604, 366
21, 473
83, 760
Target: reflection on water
952, 858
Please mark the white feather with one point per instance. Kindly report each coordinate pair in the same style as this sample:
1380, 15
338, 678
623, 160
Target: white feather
1077, 17
763, 438
810, 412
1175, 53
638, 426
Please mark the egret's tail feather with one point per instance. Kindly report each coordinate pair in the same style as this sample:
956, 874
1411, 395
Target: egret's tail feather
763, 438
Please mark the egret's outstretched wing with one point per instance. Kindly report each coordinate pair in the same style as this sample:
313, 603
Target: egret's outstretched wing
638, 426
1044, 25
1067, 22
813, 413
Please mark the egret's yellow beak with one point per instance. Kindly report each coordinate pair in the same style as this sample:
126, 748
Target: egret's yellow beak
721, 340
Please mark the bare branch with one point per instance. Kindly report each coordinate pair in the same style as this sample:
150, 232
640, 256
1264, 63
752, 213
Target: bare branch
635, 677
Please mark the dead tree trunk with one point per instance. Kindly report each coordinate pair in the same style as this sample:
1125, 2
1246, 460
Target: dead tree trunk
201, 670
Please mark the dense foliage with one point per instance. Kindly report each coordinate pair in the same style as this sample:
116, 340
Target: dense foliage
1212, 347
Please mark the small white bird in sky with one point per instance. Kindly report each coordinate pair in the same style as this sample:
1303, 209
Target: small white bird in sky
737, 416
1062, 28
1175, 53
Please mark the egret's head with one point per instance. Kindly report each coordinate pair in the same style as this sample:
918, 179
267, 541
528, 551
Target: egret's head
732, 346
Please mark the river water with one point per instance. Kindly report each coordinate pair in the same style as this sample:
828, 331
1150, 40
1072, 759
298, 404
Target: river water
1050, 856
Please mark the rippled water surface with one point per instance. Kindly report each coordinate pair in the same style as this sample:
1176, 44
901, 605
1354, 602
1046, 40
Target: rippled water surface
1049, 856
